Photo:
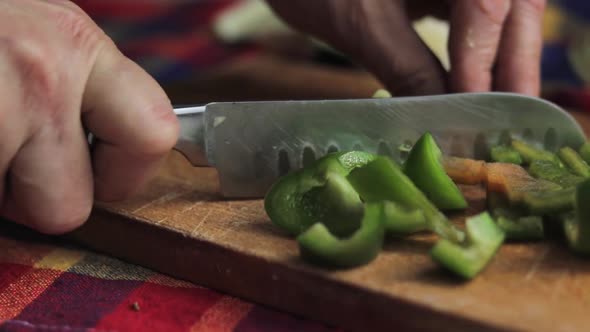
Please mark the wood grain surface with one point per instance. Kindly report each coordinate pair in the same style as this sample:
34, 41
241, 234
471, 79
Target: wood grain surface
182, 227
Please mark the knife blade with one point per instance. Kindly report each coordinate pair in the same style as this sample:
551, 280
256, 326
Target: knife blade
251, 144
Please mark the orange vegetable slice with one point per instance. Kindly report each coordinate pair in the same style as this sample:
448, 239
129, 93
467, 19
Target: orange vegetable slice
514, 181
510, 179
464, 170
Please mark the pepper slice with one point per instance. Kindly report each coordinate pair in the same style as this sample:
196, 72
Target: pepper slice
318, 246
400, 220
530, 153
335, 204
577, 224
513, 220
383, 180
550, 202
574, 161
539, 197
524, 228
484, 238
550, 171
505, 154
585, 152
318, 193
424, 167
382, 93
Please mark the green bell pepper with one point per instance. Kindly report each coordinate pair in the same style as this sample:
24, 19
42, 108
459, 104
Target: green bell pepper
577, 224
550, 171
318, 246
549, 202
335, 204
484, 238
574, 161
383, 180
513, 219
381, 93
401, 220
506, 154
525, 228
585, 152
318, 193
424, 167
530, 153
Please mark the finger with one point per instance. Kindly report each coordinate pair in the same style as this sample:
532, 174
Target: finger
518, 68
12, 135
476, 29
377, 34
13, 129
51, 179
394, 51
133, 121
44, 174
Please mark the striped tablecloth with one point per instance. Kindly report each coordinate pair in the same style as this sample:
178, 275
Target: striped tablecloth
46, 285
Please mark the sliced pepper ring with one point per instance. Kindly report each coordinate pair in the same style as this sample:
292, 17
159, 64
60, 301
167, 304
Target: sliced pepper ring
318, 246
292, 202
484, 238
574, 161
529, 153
400, 220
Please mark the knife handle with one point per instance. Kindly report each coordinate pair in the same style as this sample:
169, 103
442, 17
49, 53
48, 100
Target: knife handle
191, 141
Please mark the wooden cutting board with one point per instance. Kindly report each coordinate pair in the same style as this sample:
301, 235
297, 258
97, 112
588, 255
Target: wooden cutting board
182, 227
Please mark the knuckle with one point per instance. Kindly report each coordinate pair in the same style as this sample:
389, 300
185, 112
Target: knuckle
470, 80
411, 80
495, 10
74, 23
536, 7
358, 26
358, 17
29, 59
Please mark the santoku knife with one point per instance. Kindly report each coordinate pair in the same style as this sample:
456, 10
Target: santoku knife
251, 144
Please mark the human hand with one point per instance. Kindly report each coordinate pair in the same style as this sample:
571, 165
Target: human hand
493, 44
60, 74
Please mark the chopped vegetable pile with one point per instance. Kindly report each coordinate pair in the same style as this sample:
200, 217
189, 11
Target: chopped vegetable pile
341, 207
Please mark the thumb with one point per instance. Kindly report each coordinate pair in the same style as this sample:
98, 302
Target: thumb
132, 121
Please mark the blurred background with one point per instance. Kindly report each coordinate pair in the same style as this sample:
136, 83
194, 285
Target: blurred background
215, 50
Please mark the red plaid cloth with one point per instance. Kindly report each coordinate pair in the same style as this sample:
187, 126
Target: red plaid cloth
45, 286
